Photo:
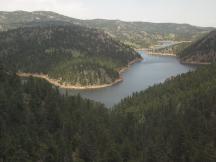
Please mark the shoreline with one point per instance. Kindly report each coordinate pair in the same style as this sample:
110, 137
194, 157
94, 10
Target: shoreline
142, 49
148, 51
55, 82
161, 54
125, 68
195, 63
64, 85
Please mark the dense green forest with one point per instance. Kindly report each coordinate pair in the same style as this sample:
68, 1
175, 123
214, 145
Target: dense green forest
135, 34
37, 124
69, 53
174, 121
201, 51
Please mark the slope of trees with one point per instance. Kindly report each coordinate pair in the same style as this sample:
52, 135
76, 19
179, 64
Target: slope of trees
70, 53
37, 124
201, 51
174, 121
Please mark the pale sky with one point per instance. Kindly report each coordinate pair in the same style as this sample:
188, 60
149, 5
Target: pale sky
195, 12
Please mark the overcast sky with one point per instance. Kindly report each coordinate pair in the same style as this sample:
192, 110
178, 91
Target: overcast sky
196, 12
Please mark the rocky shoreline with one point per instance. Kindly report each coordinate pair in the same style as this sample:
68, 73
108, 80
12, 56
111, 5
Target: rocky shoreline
67, 85
57, 82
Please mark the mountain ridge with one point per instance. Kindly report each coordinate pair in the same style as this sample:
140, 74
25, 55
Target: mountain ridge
42, 12
136, 34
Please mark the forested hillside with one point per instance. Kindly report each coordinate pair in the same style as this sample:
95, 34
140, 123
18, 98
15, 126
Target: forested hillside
37, 124
201, 51
135, 34
70, 54
174, 121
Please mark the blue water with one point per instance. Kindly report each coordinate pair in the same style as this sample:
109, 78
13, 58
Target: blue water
152, 70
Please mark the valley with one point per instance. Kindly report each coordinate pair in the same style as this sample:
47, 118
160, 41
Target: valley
74, 90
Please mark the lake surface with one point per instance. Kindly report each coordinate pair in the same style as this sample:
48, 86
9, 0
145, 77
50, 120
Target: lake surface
152, 70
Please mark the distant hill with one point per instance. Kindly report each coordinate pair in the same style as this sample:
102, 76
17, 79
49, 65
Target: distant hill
201, 51
135, 34
70, 54
9, 20
172, 49
145, 34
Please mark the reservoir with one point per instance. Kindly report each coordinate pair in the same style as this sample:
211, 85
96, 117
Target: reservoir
152, 70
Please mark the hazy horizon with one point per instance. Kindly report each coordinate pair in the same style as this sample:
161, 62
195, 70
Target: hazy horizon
194, 12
